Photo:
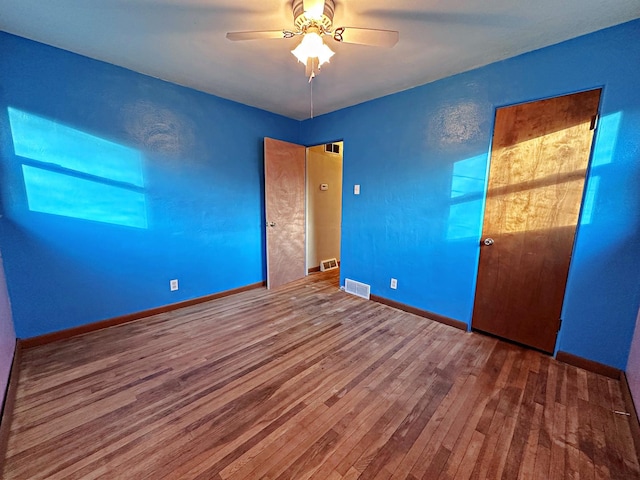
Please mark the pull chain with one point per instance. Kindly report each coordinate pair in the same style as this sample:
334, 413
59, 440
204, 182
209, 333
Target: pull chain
311, 83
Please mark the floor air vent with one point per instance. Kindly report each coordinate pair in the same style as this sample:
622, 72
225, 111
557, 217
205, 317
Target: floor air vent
356, 288
328, 264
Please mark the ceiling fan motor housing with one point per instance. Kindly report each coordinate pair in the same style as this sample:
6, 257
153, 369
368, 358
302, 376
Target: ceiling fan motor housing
301, 21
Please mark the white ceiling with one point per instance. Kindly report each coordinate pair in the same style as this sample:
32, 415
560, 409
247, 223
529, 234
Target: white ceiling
183, 41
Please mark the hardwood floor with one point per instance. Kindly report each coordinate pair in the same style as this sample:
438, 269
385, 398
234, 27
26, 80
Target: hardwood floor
309, 382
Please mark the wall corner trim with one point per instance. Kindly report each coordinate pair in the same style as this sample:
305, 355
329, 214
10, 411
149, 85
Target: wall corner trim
91, 327
422, 313
9, 402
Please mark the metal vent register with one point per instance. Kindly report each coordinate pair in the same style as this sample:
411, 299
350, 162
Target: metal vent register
357, 288
328, 264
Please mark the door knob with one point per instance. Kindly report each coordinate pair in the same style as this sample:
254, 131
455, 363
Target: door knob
488, 241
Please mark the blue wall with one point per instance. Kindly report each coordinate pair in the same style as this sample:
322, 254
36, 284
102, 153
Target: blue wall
113, 183
421, 159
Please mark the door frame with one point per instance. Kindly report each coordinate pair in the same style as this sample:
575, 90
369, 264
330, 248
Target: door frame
587, 179
306, 197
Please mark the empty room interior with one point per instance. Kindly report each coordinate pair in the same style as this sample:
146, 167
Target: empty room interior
318, 239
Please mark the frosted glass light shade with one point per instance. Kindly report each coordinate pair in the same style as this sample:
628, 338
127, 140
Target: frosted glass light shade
312, 46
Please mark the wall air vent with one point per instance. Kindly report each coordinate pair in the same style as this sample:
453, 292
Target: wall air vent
356, 288
332, 148
329, 264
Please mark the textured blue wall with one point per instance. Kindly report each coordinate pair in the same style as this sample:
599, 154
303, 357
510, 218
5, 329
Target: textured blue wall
421, 158
113, 183
147, 181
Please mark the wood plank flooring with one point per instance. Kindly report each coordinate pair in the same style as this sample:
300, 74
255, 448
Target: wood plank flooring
307, 382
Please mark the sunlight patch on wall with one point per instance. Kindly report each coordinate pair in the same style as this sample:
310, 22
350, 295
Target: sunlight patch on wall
468, 176
467, 190
590, 200
46, 141
71, 173
607, 138
49, 192
603, 153
464, 220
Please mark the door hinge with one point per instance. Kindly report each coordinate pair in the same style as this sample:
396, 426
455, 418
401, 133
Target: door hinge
594, 122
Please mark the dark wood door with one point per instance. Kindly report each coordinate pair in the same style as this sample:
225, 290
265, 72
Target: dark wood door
539, 159
284, 172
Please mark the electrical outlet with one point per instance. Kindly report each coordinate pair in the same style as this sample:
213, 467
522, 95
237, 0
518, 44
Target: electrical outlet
356, 189
173, 285
394, 283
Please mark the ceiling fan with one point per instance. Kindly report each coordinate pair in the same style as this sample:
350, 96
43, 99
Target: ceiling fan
313, 19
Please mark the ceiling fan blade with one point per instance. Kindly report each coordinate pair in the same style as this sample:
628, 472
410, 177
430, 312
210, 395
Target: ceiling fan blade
366, 36
314, 8
259, 35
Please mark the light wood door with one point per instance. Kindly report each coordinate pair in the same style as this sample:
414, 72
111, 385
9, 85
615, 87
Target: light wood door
284, 186
538, 164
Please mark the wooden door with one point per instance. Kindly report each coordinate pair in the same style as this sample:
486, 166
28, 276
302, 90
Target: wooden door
538, 164
284, 187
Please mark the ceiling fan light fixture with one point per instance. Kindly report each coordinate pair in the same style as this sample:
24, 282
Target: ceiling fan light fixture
312, 46
316, 12
313, 19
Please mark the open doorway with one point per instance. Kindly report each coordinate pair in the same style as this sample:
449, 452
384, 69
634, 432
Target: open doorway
303, 208
323, 204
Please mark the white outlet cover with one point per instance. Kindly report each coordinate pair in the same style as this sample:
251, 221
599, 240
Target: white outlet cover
173, 284
394, 283
356, 189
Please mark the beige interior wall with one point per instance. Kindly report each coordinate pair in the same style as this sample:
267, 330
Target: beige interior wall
324, 208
